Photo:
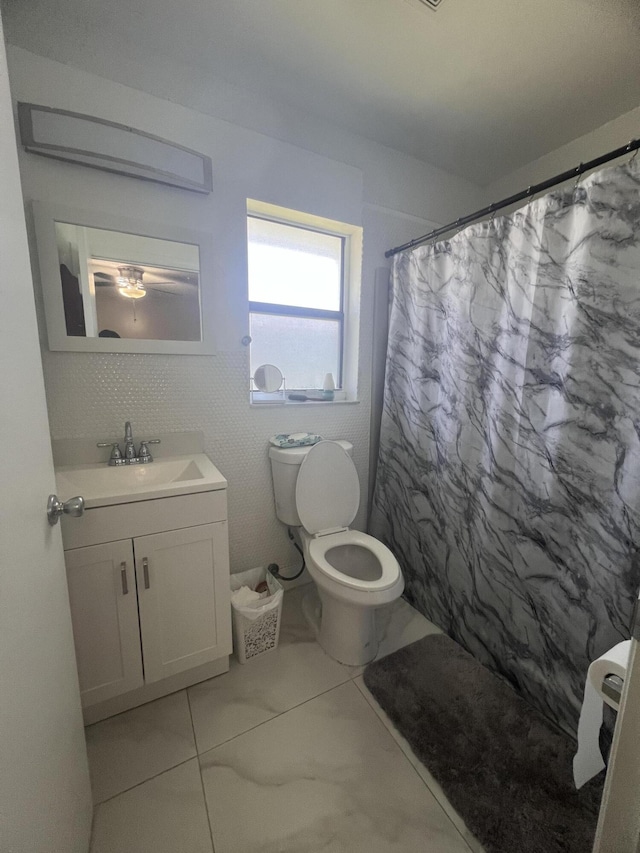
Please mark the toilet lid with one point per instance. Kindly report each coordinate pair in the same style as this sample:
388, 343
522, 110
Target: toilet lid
327, 489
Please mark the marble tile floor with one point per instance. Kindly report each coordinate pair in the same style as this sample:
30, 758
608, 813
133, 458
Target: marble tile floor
287, 754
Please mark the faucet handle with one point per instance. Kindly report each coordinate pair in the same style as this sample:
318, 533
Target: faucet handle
116, 454
143, 454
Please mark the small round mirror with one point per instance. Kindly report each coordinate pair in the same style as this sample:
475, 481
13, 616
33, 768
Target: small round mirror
267, 378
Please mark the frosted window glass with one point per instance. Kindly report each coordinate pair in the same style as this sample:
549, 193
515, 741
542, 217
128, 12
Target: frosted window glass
304, 349
293, 266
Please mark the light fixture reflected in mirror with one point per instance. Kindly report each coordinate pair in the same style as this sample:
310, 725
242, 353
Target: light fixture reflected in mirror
130, 282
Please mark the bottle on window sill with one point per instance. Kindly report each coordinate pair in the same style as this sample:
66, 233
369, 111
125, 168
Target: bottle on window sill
329, 387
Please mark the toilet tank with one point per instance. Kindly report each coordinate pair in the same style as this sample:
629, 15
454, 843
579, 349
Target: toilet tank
285, 464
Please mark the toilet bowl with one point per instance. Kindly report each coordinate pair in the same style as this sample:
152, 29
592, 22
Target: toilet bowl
354, 573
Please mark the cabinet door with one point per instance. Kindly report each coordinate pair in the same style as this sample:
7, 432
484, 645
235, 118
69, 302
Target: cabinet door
104, 612
183, 594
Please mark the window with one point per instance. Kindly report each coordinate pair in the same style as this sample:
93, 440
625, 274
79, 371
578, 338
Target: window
297, 299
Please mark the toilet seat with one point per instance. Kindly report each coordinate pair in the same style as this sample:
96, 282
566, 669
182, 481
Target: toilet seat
327, 500
327, 489
390, 570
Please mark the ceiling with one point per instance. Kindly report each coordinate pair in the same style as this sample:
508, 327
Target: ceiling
478, 87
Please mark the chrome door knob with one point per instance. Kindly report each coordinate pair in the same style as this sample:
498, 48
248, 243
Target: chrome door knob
55, 507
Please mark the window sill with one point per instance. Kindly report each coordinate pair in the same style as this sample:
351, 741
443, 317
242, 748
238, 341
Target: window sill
286, 404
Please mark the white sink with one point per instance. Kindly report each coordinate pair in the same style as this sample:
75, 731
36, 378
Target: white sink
102, 485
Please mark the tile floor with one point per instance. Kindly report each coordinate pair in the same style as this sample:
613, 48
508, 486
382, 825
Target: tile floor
287, 754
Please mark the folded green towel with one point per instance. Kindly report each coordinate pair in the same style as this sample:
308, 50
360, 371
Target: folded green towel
295, 439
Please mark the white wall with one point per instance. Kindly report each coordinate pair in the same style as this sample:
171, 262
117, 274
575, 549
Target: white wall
45, 799
611, 135
90, 395
159, 316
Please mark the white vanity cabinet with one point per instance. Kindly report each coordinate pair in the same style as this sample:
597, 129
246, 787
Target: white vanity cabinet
179, 585
104, 607
149, 593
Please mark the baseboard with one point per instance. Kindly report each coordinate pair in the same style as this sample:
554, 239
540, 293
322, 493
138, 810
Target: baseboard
149, 692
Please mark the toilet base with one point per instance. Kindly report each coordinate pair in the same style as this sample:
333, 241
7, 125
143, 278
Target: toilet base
312, 608
347, 633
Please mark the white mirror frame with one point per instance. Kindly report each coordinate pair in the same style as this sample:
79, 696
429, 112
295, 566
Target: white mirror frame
46, 215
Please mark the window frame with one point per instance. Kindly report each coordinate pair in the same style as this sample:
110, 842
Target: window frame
278, 309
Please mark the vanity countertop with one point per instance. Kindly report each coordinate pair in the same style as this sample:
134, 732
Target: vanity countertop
167, 476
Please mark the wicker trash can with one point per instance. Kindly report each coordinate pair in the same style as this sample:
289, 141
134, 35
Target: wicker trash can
256, 626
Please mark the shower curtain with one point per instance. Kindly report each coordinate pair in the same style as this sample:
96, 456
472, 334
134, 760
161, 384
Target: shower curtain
508, 481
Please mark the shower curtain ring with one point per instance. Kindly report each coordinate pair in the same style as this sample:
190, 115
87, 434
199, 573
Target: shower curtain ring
579, 175
635, 153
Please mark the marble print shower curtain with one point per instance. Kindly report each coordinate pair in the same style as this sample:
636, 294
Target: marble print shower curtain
508, 481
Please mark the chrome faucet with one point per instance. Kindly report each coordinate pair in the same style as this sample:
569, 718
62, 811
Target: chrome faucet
143, 456
129, 447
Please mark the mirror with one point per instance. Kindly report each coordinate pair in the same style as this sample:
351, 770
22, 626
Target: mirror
116, 290
268, 378
117, 285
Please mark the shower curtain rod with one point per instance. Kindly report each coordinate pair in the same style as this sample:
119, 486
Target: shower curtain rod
532, 190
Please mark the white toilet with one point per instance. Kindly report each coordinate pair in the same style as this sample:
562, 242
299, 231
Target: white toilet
317, 491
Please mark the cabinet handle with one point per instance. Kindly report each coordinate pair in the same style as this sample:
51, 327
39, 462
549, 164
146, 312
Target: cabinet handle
123, 578
145, 572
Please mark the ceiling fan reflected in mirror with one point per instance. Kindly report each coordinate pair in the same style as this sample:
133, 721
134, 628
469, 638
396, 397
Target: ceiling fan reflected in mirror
129, 282
135, 281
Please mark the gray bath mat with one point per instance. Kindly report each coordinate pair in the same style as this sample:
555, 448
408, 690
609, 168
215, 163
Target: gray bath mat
501, 765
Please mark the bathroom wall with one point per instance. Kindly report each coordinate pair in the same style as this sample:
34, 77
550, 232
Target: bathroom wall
90, 395
613, 134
